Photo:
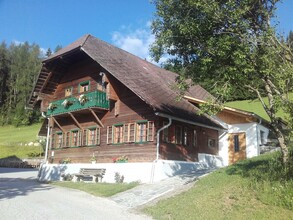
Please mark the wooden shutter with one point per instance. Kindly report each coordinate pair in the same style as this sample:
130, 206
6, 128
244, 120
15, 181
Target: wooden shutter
98, 133
131, 132
150, 131
84, 137
109, 134
126, 133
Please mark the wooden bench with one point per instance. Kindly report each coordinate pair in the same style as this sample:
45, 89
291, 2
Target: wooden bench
94, 173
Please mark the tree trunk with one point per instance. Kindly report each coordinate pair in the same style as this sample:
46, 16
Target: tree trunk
283, 145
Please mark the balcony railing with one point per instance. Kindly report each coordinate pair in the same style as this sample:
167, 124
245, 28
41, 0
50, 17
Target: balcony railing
91, 99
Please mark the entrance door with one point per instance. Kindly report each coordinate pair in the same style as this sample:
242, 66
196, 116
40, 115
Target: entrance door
237, 147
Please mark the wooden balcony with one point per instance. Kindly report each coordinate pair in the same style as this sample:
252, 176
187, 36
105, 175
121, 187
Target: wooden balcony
94, 99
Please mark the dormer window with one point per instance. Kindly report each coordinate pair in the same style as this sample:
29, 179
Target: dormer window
84, 87
68, 91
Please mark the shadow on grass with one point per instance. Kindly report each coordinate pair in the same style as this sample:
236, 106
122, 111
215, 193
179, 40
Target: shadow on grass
245, 168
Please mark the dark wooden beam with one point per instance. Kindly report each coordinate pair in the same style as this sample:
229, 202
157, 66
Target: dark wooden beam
57, 123
75, 120
96, 117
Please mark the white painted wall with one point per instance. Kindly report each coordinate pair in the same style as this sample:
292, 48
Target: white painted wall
253, 141
142, 172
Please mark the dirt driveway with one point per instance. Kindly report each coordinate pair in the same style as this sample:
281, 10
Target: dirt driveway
22, 197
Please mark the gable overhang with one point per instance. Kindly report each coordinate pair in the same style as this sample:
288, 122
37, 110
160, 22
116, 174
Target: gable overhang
250, 116
163, 115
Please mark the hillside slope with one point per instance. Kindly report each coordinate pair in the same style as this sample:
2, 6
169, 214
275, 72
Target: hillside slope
14, 141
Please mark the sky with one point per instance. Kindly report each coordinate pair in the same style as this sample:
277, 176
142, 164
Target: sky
123, 23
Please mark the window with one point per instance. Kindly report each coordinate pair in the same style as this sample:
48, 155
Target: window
93, 136
178, 135
211, 142
141, 132
59, 140
126, 133
84, 87
194, 140
67, 139
131, 132
236, 143
165, 133
185, 137
262, 138
118, 134
75, 138
68, 91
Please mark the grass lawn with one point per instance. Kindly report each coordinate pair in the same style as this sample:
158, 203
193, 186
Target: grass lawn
227, 194
98, 189
254, 106
13, 139
10, 135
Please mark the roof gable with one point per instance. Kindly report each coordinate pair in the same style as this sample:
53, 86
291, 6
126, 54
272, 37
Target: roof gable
148, 81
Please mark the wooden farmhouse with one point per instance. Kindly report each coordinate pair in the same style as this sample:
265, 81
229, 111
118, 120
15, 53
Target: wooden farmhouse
245, 135
101, 101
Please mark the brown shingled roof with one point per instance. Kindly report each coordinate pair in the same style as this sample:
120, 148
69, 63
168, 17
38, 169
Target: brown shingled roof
148, 81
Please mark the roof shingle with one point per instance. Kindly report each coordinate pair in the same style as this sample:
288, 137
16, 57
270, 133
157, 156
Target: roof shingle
148, 81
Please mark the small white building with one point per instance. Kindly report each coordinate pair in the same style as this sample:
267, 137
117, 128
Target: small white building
245, 133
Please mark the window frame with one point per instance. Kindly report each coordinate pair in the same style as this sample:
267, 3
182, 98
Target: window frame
236, 143
119, 127
212, 142
57, 139
71, 91
141, 131
178, 140
78, 141
165, 136
81, 84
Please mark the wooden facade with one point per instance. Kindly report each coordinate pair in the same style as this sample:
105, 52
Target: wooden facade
91, 112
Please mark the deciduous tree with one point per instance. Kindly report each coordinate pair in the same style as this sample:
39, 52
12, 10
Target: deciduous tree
232, 46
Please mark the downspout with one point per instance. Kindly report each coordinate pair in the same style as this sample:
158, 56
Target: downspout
47, 140
158, 148
158, 136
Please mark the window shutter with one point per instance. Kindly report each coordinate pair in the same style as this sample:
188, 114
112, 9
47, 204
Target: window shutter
132, 132
126, 133
109, 135
53, 141
84, 137
98, 136
150, 129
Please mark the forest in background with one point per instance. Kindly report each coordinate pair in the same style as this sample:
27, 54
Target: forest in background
19, 68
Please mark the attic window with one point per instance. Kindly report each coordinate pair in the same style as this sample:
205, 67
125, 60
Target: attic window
84, 86
68, 91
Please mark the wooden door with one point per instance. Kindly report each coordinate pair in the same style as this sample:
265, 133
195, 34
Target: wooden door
237, 147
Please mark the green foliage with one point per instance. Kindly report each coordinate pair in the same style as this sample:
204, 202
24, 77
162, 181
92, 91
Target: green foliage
19, 66
98, 189
231, 48
13, 141
11, 136
272, 181
20, 151
256, 107
234, 193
